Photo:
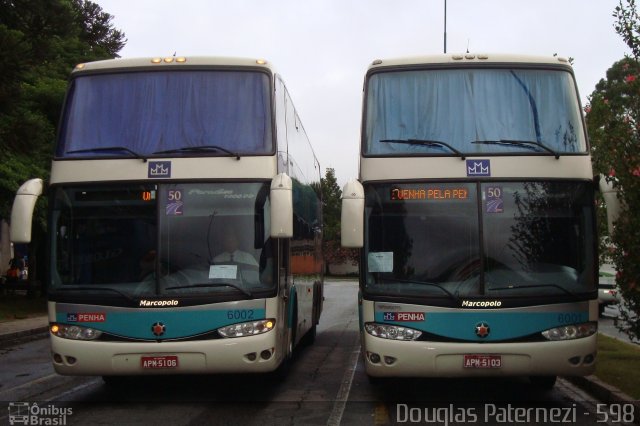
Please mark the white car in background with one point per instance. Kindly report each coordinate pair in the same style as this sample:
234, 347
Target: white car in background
608, 292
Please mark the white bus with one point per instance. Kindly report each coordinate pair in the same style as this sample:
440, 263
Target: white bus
185, 220
475, 213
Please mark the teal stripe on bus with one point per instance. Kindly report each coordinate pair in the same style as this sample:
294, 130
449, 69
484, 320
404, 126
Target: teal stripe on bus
178, 324
502, 325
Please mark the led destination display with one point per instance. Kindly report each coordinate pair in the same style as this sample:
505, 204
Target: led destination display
429, 193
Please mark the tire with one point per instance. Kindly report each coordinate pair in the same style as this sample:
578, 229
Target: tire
310, 337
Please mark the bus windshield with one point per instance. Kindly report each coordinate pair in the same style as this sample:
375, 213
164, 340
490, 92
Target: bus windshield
163, 112
502, 239
163, 239
472, 111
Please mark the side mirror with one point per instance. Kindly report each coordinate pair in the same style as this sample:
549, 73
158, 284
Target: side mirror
352, 215
281, 206
610, 195
22, 210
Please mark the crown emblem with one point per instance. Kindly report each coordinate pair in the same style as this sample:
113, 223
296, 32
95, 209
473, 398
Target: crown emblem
478, 168
158, 169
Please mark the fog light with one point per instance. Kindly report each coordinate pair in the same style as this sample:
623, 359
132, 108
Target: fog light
252, 356
589, 359
374, 358
389, 360
57, 358
266, 354
574, 360
71, 360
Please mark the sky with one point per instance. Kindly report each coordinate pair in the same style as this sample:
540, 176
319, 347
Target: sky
322, 48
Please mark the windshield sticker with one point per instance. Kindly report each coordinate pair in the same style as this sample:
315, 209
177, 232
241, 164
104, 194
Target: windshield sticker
478, 168
495, 202
174, 202
226, 272
381, 261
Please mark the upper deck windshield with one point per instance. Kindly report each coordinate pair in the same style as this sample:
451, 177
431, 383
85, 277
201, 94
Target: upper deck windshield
128, 241
473, 111
163, 112
446, 241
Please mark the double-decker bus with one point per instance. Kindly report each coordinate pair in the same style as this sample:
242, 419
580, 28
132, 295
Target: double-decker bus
474, 209
185, 220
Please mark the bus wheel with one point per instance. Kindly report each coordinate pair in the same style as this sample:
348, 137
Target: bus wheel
543, 382
310, 337
282, 371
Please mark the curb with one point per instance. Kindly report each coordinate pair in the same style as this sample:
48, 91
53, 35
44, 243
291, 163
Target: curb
10, 338
604, 392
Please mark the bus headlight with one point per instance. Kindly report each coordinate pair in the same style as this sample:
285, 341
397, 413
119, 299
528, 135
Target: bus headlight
393, 332
75, 332
250, 328
570, 332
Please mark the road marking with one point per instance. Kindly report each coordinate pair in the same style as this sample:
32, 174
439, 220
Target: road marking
343, 393
75, 389
31, 383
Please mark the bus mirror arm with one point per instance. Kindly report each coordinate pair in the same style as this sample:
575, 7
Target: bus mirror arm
22, 210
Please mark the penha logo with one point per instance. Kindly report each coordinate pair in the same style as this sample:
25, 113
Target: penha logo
86, 317
159, 169
403, 316
478, 168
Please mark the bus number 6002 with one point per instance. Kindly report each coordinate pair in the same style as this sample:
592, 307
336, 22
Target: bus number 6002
244, 314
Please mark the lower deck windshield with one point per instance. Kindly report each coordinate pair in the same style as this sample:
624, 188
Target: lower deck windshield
484, 240
162, 239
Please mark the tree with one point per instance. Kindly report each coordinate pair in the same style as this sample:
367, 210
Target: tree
331, 209
41, 41
613, 121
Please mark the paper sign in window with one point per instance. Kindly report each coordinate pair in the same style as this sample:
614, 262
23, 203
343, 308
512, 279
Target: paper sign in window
381, 261
225, 272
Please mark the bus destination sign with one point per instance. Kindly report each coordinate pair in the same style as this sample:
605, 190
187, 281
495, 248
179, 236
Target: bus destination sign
429, 193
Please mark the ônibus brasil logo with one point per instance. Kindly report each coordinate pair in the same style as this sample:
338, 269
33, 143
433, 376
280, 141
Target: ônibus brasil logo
27, 413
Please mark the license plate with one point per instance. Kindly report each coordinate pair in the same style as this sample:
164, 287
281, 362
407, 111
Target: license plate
482, 361
153, 362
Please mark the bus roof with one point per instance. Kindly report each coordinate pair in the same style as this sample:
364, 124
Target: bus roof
466, 59
173, 61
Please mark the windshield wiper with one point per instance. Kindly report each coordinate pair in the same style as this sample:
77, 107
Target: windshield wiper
226, 284
451, 295
109, 149
525, 144
425, 142
203, 148
517, 287
90, 287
